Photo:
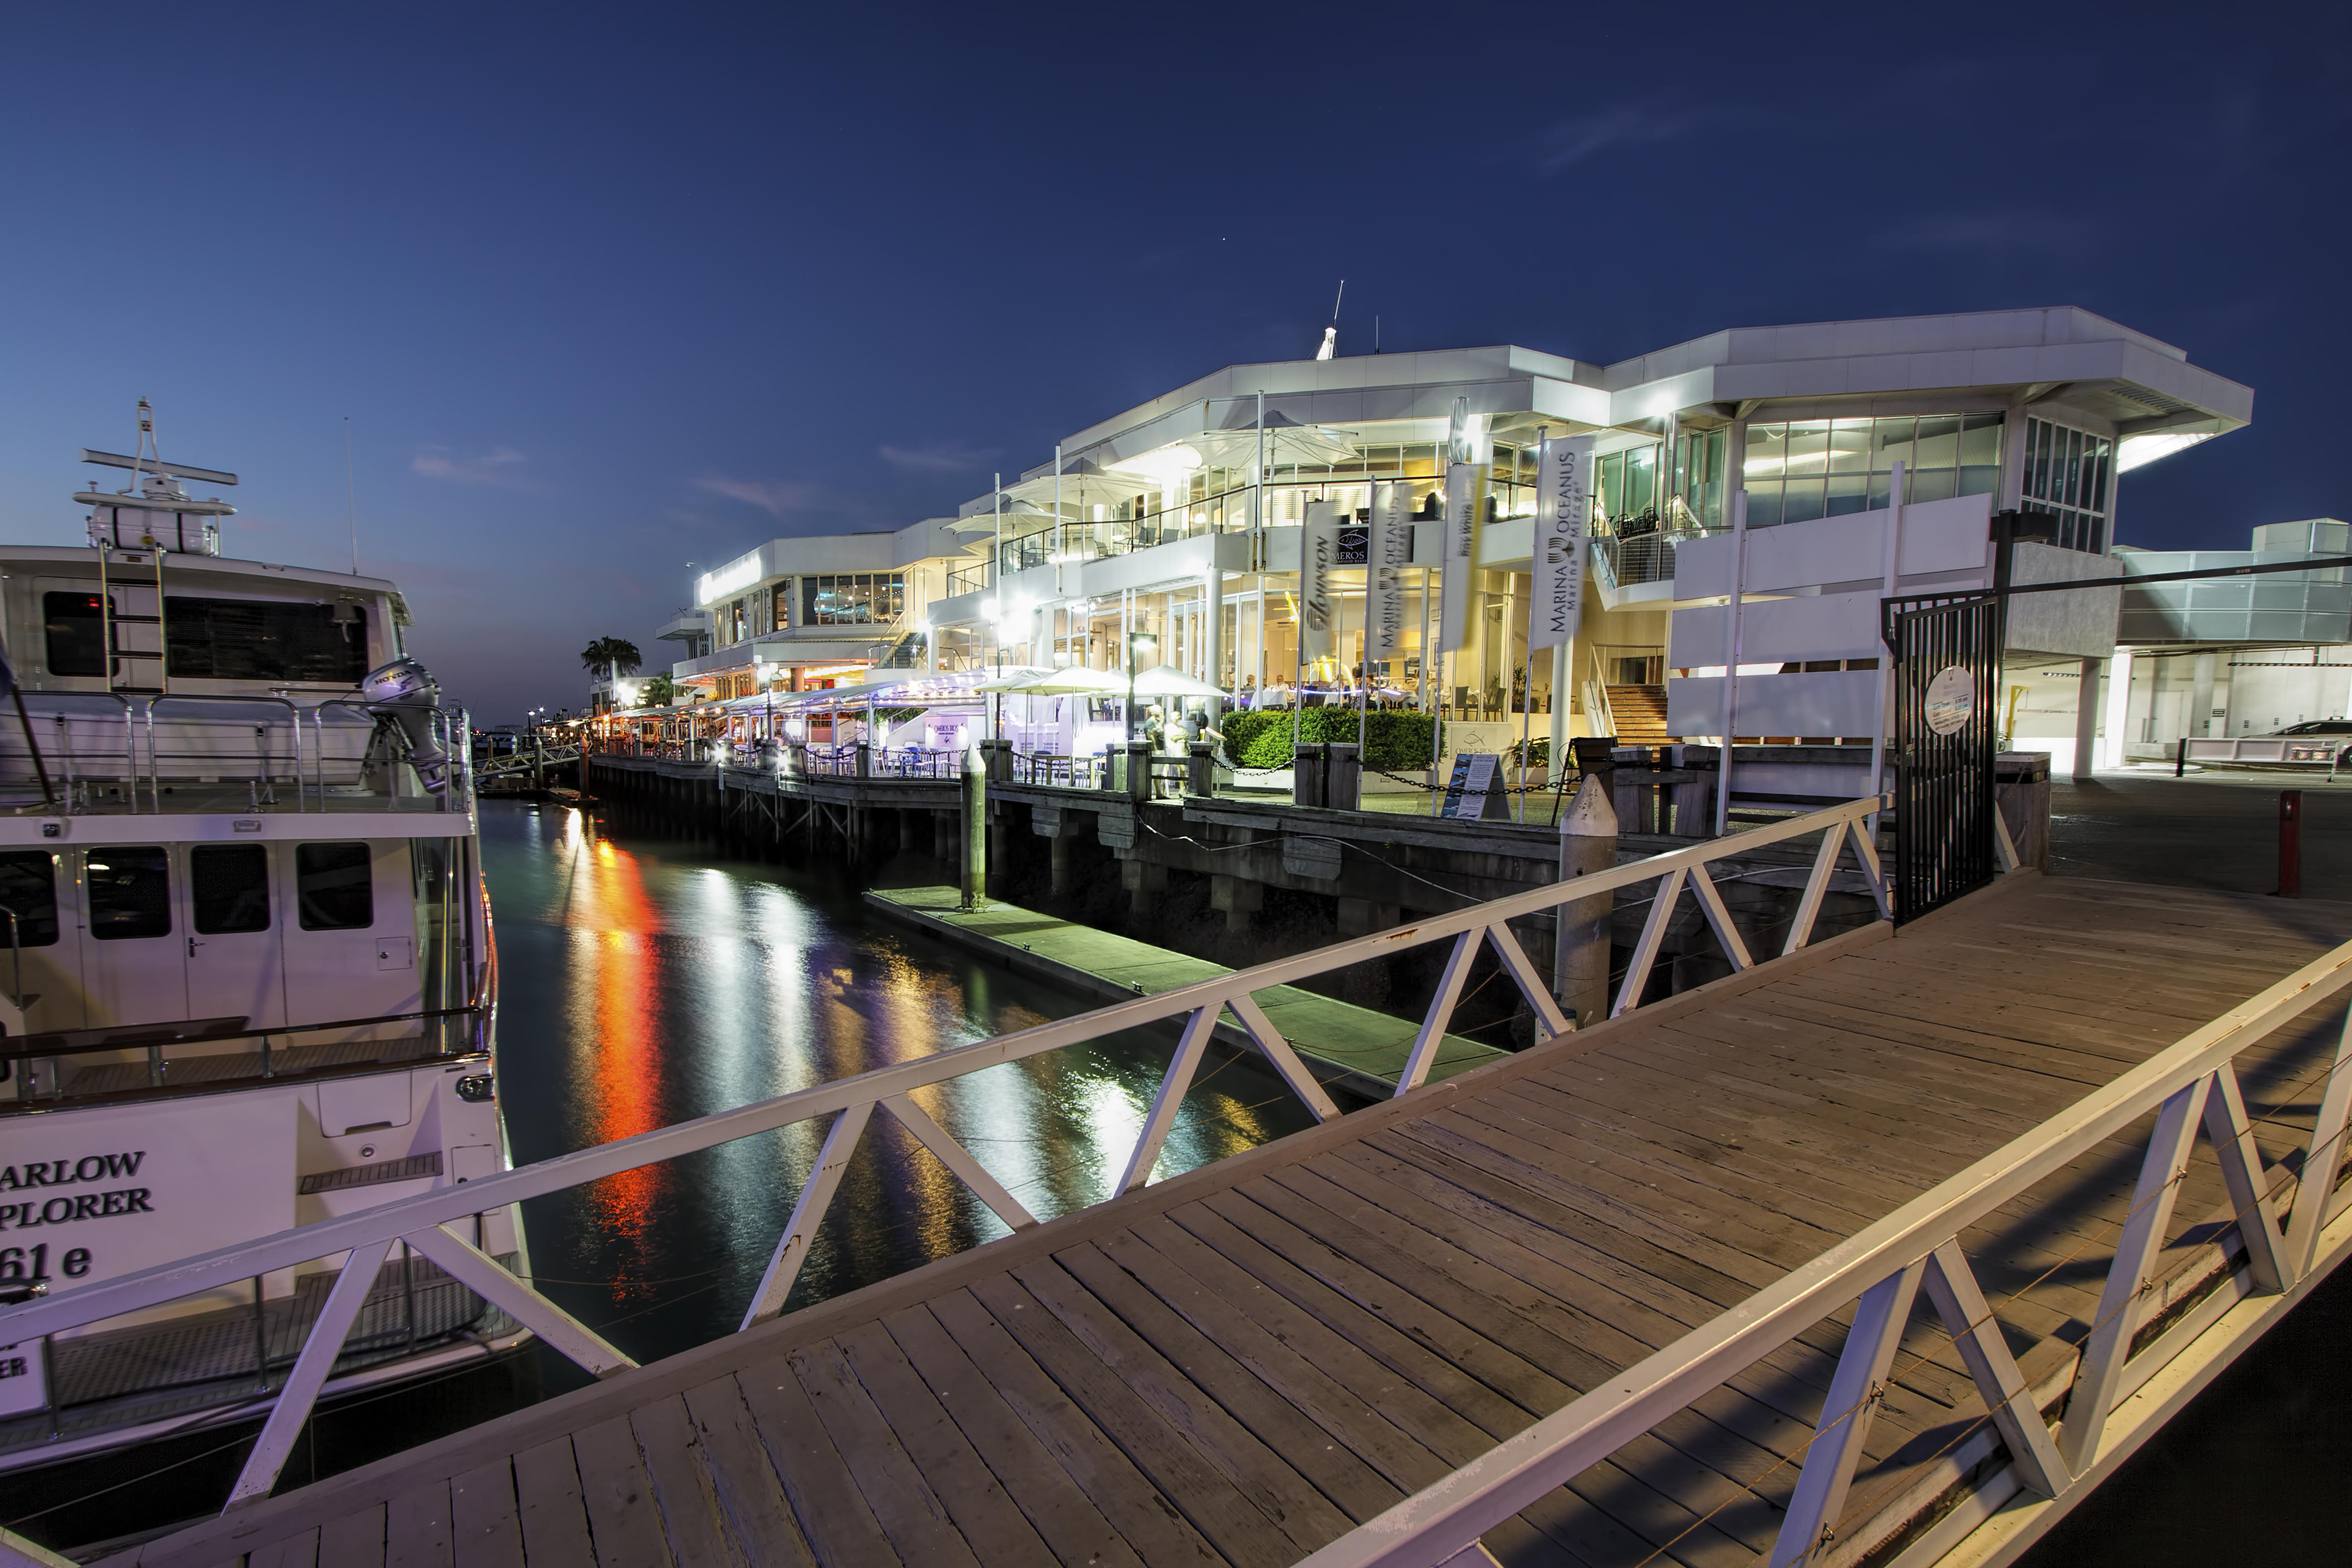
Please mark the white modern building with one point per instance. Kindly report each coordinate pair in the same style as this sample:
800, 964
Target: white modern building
1182, 516
808, 613
1163, 519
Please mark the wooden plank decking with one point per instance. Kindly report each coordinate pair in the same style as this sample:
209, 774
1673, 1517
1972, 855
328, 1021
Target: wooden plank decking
1237, 1364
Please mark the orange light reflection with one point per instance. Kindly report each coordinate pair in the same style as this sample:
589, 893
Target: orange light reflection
612, 925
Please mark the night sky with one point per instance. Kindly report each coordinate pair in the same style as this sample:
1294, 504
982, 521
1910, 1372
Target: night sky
606, 292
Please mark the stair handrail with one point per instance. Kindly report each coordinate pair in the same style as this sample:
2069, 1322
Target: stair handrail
1597, 706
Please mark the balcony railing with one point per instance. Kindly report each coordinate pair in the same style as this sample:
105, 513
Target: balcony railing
1625, 560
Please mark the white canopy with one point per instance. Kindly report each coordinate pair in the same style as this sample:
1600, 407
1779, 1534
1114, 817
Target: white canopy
1167, 680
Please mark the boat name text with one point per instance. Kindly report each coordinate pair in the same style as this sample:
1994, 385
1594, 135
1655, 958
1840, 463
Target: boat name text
66, 1172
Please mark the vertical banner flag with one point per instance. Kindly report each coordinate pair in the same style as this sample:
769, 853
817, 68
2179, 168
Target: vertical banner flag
1563, 517
1465, 504
1388, 553
1318, 555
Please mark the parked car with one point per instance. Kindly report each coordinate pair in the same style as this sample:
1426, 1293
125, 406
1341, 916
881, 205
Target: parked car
2315, 743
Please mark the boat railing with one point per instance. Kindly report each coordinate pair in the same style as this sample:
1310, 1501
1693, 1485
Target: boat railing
77, 1066
187, 753
847, 1106
199, 750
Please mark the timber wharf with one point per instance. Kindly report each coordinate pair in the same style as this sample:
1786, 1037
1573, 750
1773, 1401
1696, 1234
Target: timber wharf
1883, 1249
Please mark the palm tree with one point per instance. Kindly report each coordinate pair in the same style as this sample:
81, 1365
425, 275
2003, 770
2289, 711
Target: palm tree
611, 656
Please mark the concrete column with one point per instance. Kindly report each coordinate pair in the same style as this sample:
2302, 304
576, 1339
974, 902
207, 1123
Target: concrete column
1144, 883
1065, 870
1200, 769
2201, 699
1587, 843
1343, 776
2086, 718
2119, 684
973, 879
1237, 898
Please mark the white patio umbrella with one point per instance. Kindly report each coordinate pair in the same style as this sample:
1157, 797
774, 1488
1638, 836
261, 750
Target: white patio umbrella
1016, 679
1167, 680
1071, 680
1311, 446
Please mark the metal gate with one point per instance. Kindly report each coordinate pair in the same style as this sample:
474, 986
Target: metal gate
1946, 652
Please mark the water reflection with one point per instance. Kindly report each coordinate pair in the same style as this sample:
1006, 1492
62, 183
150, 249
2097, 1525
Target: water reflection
646, 983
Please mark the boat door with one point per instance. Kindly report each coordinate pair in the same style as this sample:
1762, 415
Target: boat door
134, 970
350, 943
236, 969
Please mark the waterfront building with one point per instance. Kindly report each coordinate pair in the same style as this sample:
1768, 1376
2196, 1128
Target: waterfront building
1181, 518
800, 614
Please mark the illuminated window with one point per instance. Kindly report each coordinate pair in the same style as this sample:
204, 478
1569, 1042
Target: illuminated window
1807, 468
863, 598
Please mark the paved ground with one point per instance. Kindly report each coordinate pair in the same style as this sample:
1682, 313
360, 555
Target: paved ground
2212, 830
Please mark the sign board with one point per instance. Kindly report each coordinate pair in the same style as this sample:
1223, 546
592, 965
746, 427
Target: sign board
1951, 701
1465, 503
1318, 602
1475, 790
1563, 517
1389, 554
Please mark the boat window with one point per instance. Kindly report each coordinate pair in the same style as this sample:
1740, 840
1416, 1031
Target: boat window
334, 887
76, 632
28, 889
130, 892
228, 887
265, 640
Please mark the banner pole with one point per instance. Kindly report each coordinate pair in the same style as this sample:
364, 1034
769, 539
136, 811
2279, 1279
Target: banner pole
1731, 661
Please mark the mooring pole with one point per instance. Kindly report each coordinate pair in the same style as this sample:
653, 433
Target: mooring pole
1587, 843
974, 879
2290, 844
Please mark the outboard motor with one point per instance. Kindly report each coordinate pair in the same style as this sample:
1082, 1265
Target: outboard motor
404, 695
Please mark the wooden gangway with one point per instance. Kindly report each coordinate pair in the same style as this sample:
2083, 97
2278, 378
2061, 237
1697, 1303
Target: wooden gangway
1593, 1304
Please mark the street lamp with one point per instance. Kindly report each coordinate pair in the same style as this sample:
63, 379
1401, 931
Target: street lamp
1138, 644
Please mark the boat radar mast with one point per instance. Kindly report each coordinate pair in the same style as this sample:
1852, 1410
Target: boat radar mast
154, 511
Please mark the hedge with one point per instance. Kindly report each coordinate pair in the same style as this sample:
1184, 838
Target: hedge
1394, 742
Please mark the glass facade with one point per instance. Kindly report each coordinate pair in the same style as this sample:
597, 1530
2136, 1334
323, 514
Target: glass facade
2068, 472
1217, 500
1626, 491
1825, 467
859, 599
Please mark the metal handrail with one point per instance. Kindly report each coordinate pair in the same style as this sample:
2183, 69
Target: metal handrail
154, 768
456, 735
130, 737
852, 1101
1888, 1263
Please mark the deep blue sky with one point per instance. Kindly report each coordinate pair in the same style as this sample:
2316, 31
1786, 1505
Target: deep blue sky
607, 290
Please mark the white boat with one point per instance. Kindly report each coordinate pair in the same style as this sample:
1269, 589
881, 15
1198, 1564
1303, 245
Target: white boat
245, 965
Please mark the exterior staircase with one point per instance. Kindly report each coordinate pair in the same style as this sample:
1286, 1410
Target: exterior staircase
1641, 714
905, 652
